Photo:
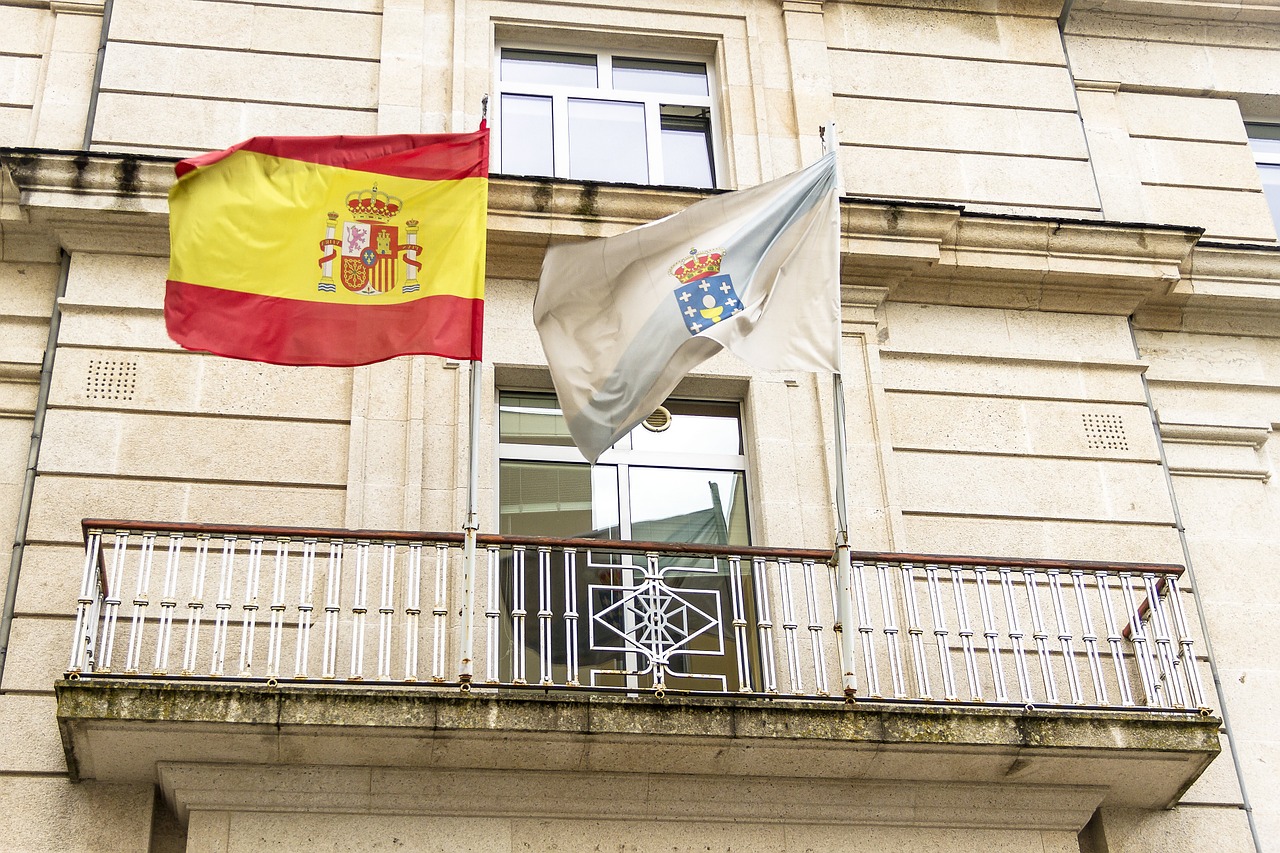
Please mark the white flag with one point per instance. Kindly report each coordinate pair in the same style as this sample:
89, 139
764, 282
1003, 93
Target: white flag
623, 318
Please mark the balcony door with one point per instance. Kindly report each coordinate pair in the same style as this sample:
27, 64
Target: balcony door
641, 622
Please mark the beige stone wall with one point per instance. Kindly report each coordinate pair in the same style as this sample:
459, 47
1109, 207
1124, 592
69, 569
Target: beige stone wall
1162, 104
970, 105
1218, 398
215, 73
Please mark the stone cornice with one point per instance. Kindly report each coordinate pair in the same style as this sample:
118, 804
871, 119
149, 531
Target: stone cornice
1216, 11
902, 251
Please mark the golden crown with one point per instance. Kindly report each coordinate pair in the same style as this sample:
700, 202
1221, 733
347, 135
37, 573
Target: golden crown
698, 265
373, 204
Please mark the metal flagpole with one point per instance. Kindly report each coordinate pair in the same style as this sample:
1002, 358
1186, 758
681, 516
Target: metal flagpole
844, 561
471, 526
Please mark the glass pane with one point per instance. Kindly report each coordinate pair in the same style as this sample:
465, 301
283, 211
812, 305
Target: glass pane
679, 505
606, 141
526, 135
563, 500
542, 66
695, 428
531, 419
659, 75
686, 147
1271, 186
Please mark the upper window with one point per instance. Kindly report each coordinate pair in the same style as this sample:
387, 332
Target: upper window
605, 117
1264, 139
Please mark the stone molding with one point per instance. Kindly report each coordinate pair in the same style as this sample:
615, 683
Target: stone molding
118, 730
895, 250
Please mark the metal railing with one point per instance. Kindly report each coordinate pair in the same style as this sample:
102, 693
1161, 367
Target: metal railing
194, 601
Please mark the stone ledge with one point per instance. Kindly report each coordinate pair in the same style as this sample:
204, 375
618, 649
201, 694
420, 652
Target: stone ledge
120, 730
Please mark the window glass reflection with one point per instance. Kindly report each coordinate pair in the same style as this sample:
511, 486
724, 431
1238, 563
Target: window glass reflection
607, 141
659, 75
696, 427
540, 66
526, 135
686, 147
564, 500
682, 505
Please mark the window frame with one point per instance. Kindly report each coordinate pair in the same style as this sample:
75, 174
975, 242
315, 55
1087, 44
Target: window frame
1267, 162
603, 91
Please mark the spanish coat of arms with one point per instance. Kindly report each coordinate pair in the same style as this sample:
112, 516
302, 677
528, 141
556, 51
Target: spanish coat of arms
369, 248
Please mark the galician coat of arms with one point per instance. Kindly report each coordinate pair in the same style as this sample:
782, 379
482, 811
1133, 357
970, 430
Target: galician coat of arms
705, 295
369, 248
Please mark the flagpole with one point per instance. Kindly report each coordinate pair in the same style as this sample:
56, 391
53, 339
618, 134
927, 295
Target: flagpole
470, 528
844, 560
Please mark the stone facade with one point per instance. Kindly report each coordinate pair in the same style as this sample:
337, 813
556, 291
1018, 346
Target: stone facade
1054, 227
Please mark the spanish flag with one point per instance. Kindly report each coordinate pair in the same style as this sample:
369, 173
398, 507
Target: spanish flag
333, 250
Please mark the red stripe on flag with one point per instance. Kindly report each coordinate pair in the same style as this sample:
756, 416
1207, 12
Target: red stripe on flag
298, 332
425, 156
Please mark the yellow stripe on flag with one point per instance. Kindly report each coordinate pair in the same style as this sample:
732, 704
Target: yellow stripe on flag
271, 215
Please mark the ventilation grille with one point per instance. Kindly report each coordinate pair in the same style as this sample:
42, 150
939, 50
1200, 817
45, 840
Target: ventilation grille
1105, 431
111, 380
658, 421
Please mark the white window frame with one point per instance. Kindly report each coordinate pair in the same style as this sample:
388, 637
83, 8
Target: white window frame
604, 91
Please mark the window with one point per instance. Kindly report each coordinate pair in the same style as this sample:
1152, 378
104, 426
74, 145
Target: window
605, 117
685, 483
1264, 139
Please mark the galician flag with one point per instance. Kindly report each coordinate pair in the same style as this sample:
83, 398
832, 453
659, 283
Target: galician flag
331, 250
623, 318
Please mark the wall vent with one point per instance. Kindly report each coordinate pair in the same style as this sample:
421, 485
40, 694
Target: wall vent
111, 380
1105, 431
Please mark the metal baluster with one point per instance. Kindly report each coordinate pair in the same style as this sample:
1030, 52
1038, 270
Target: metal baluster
965, 633
82, 649
544, 615
141, 598
991, 634
1164, 646
518, 614
306, 589
493, 616
332, 607
439, 616
914, 630
571, 617
412, 609
1185, 646
250, 606
111, 601
222, 607
1040, 635
740, 634
275, 634
195, 604
865, 629
764, 626
1065, 636
1138, 637
1015, 635
660, 644
168, 605
1090, 638
386, 610
815, 630
789, 626
359, 610
940, 633
1114, 639
891, 632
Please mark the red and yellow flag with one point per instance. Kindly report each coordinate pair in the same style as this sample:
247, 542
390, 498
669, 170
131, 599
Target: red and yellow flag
331, 250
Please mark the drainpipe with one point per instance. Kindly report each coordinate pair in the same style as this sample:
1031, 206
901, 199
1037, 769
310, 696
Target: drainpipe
46, 378
1195, 592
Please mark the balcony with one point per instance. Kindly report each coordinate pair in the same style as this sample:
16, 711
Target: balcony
282, 646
